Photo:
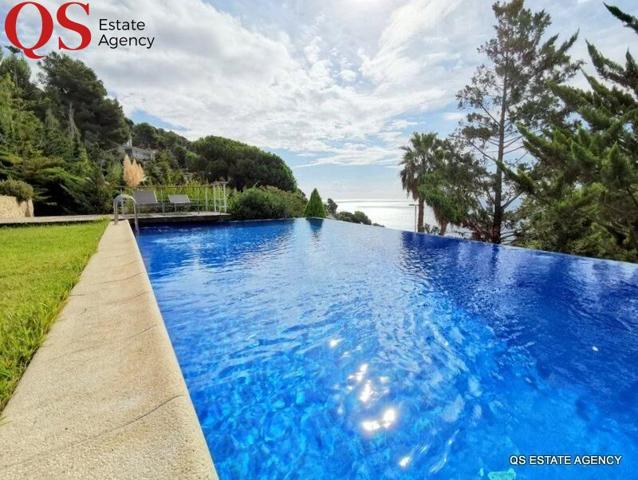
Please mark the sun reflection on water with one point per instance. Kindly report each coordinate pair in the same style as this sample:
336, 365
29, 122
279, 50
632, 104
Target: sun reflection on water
366, 392
386, 421
405, 461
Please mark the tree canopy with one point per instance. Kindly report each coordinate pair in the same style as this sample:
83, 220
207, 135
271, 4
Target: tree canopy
243, 165
583, 192
79, 101
537, 161
507, 92
419, 159
448, 186
356, 217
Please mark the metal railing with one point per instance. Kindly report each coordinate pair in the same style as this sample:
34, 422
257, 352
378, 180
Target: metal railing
203, 197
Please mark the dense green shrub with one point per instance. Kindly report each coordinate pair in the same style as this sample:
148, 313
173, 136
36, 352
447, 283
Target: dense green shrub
356, 217
16, 188
315, 206
295, 201
266, 203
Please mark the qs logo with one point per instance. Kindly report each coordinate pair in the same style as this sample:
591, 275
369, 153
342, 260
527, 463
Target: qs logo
46, 27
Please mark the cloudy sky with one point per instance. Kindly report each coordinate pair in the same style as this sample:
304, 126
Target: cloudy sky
333, 86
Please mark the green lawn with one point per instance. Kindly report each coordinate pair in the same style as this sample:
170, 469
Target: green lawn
38, 267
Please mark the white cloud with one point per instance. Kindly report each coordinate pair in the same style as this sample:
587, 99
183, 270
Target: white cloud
337, 82
211, 73
358, 154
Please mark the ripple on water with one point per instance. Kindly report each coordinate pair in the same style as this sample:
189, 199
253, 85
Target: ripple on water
328, 350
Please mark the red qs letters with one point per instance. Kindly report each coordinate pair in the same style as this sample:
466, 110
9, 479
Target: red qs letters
46, 28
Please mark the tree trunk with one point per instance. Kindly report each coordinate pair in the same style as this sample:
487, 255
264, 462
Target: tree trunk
498, 208
443, 228
421, 227
497, 223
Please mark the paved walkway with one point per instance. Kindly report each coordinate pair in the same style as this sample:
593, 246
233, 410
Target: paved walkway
168, 217
104, 396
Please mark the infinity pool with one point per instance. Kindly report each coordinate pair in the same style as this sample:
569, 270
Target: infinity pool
326, 350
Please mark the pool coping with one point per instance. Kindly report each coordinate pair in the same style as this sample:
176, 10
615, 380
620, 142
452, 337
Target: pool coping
104, 396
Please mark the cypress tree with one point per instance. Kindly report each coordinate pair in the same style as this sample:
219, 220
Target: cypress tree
315, 207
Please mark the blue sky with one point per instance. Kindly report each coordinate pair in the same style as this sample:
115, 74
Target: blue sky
335, 87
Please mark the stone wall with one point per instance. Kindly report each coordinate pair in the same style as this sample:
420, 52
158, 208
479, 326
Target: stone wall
11, 208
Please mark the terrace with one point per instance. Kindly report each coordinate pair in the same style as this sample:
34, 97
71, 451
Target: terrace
394, 352
206, 203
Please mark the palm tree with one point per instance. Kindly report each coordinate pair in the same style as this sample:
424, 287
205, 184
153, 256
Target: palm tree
418, 159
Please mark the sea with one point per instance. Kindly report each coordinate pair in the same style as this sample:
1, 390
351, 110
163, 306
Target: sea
395, 214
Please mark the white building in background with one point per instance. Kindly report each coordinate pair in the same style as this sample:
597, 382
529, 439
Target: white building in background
139, 154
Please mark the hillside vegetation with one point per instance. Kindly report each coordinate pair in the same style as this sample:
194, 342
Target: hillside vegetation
64, 137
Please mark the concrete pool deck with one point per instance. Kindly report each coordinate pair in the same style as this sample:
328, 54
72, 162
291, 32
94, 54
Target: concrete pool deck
104, 396
144, 218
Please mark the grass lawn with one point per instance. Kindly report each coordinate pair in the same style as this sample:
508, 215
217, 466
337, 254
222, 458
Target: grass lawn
38, 267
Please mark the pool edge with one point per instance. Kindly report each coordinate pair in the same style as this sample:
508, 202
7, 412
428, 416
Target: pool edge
104, 396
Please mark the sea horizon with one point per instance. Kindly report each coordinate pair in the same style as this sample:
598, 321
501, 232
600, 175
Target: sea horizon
397, 214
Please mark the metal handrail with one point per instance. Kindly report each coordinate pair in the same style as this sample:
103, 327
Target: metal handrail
119, 201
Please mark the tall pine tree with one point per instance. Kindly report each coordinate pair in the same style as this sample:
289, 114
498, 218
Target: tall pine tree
508, 91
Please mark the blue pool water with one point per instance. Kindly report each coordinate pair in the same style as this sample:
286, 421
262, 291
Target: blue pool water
326, 350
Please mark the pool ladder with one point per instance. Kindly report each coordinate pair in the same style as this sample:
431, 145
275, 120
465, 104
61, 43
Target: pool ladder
119, 202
